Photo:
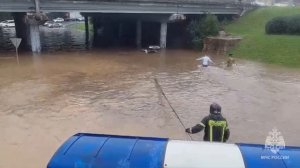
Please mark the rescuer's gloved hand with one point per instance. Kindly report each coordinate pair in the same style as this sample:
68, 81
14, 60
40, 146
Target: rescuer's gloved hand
188, 130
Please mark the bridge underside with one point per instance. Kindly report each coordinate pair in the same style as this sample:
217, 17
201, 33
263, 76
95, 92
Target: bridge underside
124, 30
139, 30
124, 21
128, 6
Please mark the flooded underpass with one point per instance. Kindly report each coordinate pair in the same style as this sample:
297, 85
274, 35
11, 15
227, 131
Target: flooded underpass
50, 97
70, 88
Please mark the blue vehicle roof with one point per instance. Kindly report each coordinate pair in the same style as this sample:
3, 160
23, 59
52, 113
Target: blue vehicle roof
257, 156
85, 150
110, 151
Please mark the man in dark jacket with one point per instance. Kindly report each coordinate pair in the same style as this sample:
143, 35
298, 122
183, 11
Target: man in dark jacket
215, 126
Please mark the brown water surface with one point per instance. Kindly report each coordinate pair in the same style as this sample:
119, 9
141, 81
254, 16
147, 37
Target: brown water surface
48, 98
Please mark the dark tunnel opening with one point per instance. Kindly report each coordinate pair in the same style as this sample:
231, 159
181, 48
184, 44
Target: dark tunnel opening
150, 33
116, 30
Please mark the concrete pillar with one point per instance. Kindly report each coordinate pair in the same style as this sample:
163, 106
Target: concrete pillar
33, 21
120, 32
120, 40
35, 37
95, 22
87, 31
37, 6
139, 34
21, 28
163, 34
95, 30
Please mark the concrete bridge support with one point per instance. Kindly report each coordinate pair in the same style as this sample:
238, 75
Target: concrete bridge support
27, 28
35, 41
21, 29
34, 29
163, 34
139, 34
130, 30
95, 28
30, 27
120, 32
87, 30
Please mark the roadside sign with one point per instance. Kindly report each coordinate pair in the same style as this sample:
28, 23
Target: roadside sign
16, 42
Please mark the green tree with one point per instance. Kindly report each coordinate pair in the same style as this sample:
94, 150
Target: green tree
210, 25
201, 28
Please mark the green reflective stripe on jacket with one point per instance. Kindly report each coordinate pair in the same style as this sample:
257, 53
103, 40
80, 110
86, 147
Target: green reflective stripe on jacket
212, 123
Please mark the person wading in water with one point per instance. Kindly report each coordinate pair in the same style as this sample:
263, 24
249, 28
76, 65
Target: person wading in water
205, 61
230, 61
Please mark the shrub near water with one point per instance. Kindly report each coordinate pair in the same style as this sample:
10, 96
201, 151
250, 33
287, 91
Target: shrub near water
199, 29
284, 25
257, 45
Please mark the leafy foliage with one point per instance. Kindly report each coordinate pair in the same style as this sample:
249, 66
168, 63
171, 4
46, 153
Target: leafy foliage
259, 46
201, 28
284, 25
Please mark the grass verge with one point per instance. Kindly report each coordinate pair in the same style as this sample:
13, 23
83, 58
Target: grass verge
257, 45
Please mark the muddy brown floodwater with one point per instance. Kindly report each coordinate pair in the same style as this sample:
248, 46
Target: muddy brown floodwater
48, 98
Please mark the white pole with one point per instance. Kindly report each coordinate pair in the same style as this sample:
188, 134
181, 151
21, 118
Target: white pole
17, 56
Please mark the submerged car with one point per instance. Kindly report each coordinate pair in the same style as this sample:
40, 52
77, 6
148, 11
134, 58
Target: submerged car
55, 25
57, 20
151, 49
48, 23
80, 19
7, 23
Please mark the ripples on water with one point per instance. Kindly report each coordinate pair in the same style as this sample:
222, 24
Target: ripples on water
48, 98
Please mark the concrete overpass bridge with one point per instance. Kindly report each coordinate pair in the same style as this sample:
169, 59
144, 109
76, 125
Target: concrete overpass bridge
138, 10
125, 6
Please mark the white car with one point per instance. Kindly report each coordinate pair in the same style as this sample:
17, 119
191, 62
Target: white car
80, 19
48, 23
151, 49
7, 23
57, 20
55, 25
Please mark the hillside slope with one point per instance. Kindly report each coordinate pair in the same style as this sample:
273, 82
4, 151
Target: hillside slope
256, 45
